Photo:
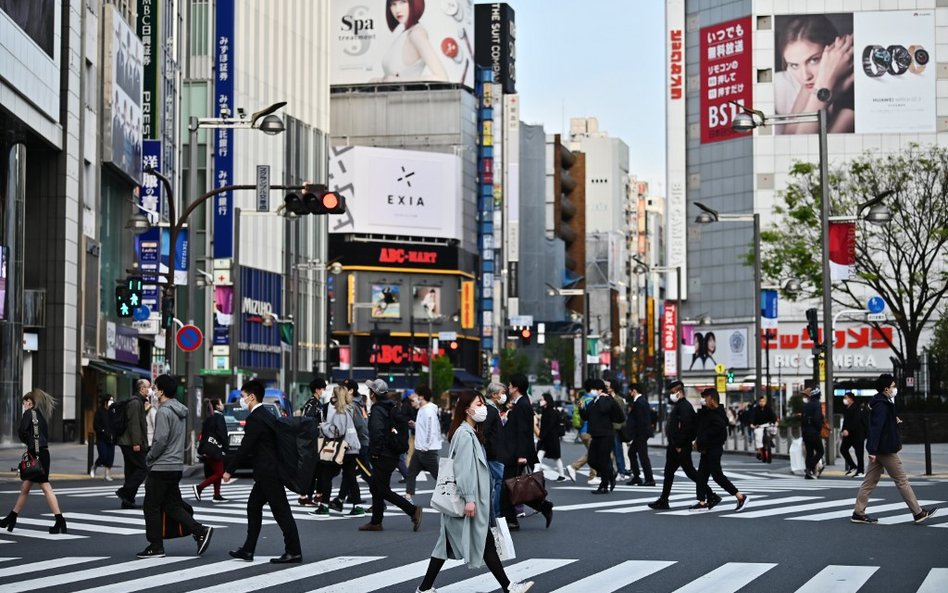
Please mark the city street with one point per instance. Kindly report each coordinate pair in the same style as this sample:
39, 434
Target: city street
794, 536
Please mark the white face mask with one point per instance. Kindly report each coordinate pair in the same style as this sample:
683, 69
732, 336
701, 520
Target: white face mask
479, 415
594, 392
243, 403
893, 392
325, 397
502, 399
109, 405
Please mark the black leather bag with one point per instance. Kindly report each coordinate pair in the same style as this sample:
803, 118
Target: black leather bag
525, 487
30, 466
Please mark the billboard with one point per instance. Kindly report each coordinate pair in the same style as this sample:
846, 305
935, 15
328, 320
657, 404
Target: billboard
386, 301
676, 141
426, 302
703, 350
496, 46
261, 294
224, 26
122, 120
379, 41
726, 75
870, 70
396, 192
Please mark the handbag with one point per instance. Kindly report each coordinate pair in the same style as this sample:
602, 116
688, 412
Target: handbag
502, 541
445, 498
30, 466
333, 450
526, 487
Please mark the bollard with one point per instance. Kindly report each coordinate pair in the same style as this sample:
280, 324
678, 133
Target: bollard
928, 447
90, 451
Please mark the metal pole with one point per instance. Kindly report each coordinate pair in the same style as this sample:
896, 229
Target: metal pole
238, 316
757, 315
678, 362
827, 285
583, 347
321, 230
189, 370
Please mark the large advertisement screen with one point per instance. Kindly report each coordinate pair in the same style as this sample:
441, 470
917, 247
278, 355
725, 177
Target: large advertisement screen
123, 127
396, 192
392, 41
727, 77
872, 71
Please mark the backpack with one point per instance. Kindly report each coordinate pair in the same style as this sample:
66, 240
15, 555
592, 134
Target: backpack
577, 419
118, 421
296, 451
397, 438
563, 425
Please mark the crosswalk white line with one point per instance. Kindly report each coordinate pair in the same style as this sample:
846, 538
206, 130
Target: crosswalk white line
872, 510
687, 500
838, 579
140, 521
177, 576
799, 508
385, 578
616, 577
197, 517
757, 501
728, 578
246, 585
617, 503
935, 582
521, 571
48, 564
42, 534
54, 580
89, 527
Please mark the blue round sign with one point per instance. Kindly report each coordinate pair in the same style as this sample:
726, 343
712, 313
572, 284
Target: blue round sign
875, 304
141, 313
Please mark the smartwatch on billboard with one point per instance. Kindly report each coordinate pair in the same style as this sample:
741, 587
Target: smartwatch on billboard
901, 60
824, 95
875, 60
920, 58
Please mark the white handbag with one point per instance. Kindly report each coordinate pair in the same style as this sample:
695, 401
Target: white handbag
502, 540
445, 498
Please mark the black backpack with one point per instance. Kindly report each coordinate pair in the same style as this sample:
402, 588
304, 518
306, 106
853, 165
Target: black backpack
118, 421
397, 432
296, 451
564, 424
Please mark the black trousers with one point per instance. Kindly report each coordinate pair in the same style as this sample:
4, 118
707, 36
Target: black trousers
269, 490
814, 450
508, 510
858, 445
638, 457
135, 472
600, 457
349, 488
162, 492
381, 487
673, 460
710, 466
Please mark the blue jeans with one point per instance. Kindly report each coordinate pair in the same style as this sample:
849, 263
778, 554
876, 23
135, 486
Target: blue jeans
496, 483
620, 455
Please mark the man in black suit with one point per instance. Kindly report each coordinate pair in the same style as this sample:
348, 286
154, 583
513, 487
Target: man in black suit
640, 419
521, 455
259, 444
602, 414
680, 431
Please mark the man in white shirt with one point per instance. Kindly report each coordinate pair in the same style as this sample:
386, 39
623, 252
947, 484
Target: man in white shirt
427, 441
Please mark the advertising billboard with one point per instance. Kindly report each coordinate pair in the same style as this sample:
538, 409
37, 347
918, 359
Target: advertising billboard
870, 70
224, 27
122, 121
379, 41
676, 141
705, 349
496, 46
426, 302
261, 294
386, 301
726, 75
396, 192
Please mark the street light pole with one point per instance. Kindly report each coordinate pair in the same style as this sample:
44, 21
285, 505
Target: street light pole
827, 285
758, 321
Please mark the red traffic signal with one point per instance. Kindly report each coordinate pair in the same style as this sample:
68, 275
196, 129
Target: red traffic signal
315, 199
453, 345
525, 335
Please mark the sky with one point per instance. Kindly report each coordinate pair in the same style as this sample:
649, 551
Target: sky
596, 58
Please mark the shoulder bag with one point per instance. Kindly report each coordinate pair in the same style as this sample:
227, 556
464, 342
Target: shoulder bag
334, 450
445, 498
30, 466
526, 487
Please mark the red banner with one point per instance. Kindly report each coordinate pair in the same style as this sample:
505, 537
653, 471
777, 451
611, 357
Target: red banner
842, 250
727, 74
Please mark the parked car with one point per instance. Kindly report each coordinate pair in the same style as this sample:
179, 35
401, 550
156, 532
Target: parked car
235, 418
271, 395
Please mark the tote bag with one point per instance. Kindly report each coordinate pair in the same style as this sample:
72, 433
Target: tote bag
445, 498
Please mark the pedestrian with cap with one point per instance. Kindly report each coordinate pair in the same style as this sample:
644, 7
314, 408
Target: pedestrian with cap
711, 434
810, 425
680, 432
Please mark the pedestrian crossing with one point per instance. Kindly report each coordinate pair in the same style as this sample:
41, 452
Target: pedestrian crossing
368, 574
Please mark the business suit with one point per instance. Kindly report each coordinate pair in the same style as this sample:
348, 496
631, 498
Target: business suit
259, 444
640, 417
518, 441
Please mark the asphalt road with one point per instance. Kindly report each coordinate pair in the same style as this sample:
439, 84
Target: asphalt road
794, 536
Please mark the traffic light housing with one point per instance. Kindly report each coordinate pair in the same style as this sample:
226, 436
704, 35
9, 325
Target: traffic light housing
135, 286
123, 302
730, 376
453, 345
167, 313
812, 327
315, 199
525, 336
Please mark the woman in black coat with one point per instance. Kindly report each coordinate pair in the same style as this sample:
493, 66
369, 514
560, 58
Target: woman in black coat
33, 432
104, 439
548, 443
213, 447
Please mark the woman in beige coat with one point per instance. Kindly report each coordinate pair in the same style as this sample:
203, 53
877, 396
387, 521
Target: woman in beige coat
469, 538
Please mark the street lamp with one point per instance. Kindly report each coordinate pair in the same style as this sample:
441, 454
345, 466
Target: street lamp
643, 268
709, 215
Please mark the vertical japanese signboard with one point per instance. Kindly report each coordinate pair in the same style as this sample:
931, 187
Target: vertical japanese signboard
726, 75
223, 107
670, 339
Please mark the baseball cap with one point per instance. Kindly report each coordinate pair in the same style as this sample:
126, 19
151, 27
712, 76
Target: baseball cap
377, 386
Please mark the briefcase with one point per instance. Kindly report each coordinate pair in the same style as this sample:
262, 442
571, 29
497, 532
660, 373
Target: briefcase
525, 487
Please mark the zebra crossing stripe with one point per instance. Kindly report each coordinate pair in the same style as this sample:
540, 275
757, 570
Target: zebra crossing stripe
90, 527
383, 579
728, 578
873, 510
800, 508
178, 576
70, 517
47, 564
313, 569
686, 501
521, 571
936, 581
42, 534
759, 501
55, 580
839, 579
617, 503
616, 577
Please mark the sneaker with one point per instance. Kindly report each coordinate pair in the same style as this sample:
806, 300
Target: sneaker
335, 505
356, 511
561, 478
863, 518
151, 552
196, 492
407, 497
230, 481
322, 511
925, 514
204, 539
571, 472
849, 472
371, 527
520, 587
809, 476
699, 508
92, 472
108, 477
594, 481
859, 474
219, 499
742, 504
713, 501
648, 483
306, 501
659, 505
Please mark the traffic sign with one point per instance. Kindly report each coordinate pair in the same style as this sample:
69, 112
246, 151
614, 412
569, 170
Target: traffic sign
141, 313
720, 368
447, 336
189, 338
720, 383
876, 317
875, 304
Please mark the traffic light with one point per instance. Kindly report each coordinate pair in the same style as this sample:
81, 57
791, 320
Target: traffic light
525, 336
453, 345
315, 199
167, 313
134, 284
730, 375
123, 302
812, 328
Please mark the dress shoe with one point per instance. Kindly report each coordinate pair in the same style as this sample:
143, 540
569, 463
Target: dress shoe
371, 527
659, 505
416, 519
547, 512
648, 483
612, 483
634, 482
129, 505
240, 554
287, 559
599, 490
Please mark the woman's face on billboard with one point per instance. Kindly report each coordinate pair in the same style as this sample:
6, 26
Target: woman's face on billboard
400, 10
803, 61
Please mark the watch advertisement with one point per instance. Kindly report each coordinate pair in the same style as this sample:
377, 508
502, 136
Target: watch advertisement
727, 77
869, 70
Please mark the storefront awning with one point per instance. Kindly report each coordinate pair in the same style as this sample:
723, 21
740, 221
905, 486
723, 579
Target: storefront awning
467, 379
118, 368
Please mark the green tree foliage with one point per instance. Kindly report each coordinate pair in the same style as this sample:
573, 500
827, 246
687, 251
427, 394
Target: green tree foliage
904, 262
512, 361
443, 375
